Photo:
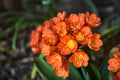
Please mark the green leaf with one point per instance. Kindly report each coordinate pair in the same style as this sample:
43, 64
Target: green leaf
45, 68
47, 71
31, 4
49, 5
17, 27
74, 74
105, 74
114, 50
110, 30
41, 16
93, 72
5, 32
34, 72
23, 22
111, 22
85, 74
6, 14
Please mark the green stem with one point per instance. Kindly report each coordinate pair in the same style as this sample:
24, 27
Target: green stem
44, 68
108, 21
108, 31
17, 27
40, 73
5, 32
110, 76
34, 72
83, 72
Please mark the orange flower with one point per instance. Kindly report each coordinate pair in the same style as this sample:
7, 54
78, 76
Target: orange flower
39, 29
56, 60
73, 19
58, 39
79, 58
83, 35
46, 49
35, 50
35, 37
114, 64
67, 45
64, 70
54, 20
60, 28
62, 15
92, 20
81, 21
95, 42
49, 36
76, 21
47, 24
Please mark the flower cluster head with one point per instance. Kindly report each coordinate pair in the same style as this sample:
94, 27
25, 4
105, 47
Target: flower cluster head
58, 39
114, 65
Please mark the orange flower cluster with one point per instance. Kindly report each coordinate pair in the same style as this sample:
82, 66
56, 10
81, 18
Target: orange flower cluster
58, 39
114, 65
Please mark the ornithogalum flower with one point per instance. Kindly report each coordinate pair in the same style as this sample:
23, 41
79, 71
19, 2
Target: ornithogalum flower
79, 58
60, 38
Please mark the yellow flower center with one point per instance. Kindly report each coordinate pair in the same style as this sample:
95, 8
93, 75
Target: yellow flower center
71, 44
52, 40
79, 54
75, 26
93, 43
62, 32
79, 37
117, 67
